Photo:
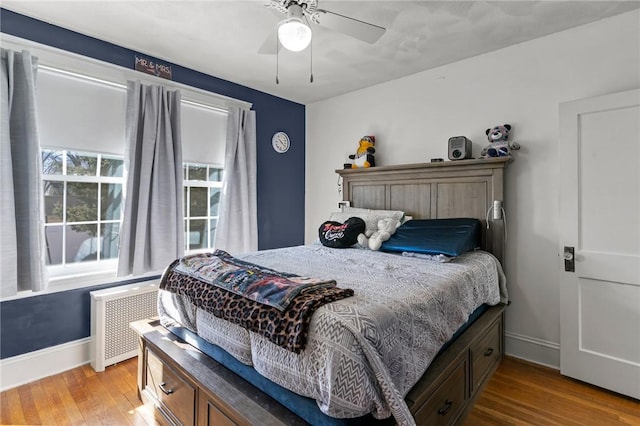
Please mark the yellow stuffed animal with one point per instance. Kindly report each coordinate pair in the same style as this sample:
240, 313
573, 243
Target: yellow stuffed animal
364, 155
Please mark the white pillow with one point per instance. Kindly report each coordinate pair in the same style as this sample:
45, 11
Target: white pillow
370, 217
396, 214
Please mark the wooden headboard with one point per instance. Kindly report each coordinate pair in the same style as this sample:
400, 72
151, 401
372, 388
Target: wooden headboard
465, 188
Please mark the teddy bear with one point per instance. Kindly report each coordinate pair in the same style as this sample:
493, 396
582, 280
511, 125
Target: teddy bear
386, 228
364, 155
499, 144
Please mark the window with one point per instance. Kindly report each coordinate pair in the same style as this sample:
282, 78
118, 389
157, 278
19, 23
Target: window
83, 202
202, 187
81, 121
82, 199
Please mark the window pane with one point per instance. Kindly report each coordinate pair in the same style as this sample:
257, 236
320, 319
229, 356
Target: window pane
214, 201
81, 165
197, 234
197, 172
82, 243
53, 193
110, 235
110, 201
198, 202
215, 174
82, 202
52, 162
111, 167
53, 237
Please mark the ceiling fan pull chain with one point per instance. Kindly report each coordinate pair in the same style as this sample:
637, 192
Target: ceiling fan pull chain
311, 62
277, 57
310, 52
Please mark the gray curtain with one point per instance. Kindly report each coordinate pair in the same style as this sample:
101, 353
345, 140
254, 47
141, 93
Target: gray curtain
152, 232
237, 230
22, 260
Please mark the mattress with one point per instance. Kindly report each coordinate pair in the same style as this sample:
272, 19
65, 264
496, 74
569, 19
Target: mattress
364, 353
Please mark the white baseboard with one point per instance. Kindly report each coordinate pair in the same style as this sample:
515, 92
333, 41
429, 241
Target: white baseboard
531, 349
26, 368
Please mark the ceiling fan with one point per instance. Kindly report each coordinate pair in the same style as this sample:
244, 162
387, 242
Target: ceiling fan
294, 32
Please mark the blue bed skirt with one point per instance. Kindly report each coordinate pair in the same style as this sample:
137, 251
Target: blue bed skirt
303, 407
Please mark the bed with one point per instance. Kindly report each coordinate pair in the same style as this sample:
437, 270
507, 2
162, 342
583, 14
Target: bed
379, 356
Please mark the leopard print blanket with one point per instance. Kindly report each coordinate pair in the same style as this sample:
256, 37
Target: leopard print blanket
288, 328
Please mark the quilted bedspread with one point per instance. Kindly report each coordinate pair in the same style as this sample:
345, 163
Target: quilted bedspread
364, 353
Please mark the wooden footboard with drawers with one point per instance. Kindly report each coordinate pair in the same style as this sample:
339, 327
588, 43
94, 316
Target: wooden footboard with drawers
187, 387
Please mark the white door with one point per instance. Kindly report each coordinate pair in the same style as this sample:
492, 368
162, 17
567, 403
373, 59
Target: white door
600, 218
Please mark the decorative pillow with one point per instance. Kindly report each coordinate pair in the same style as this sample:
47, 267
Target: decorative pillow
341, 235
450, 237
370, 217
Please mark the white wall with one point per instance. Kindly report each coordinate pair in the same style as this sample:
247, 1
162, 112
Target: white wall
413, 117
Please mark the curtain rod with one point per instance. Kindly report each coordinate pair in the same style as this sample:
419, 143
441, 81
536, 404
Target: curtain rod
57, 60
105, 82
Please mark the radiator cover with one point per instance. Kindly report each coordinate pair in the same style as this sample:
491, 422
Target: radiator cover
112, 310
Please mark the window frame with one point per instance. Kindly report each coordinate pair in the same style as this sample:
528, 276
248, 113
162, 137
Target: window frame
195, 183
67, 270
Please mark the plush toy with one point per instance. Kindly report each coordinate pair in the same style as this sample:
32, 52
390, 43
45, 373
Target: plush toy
364, 155
499, 144
386, 228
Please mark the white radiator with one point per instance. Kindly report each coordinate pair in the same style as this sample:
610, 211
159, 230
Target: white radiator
112, 309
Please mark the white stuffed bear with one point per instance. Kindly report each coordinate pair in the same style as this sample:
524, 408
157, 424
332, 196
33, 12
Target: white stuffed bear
386, 228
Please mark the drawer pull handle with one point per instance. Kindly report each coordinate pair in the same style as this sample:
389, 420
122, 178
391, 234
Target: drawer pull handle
488, 352
164, 389
447, 405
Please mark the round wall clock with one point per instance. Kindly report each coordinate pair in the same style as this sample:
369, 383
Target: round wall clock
280, 142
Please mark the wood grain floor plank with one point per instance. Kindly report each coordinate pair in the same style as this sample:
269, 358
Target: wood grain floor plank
117, 382
98, 406
29, 408
15, 412
57, 386
59, 412
5, 413
48, 412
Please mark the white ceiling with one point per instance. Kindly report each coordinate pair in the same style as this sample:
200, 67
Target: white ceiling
222, 38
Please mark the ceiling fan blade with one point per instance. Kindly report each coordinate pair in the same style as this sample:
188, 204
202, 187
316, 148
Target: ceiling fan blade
361, 30
271, 45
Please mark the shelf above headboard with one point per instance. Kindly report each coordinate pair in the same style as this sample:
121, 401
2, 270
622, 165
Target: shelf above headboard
464, 188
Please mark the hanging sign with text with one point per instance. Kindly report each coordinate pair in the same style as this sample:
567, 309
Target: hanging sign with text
152, 67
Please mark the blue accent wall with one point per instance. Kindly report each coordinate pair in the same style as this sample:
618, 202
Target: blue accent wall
43, 321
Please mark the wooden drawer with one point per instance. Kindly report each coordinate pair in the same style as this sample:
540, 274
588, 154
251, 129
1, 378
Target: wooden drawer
485, 354
175, 395
214, 417
447, 402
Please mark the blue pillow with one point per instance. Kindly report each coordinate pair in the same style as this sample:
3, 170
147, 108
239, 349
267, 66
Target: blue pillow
451, 237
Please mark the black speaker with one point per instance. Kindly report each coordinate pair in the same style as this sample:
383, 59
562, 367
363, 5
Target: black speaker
459, 148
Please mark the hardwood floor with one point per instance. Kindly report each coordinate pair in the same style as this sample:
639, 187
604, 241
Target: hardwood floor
519, 393
78, 397
522, 393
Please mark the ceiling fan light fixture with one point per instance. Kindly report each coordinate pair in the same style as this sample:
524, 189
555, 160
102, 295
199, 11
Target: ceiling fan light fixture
293, 33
